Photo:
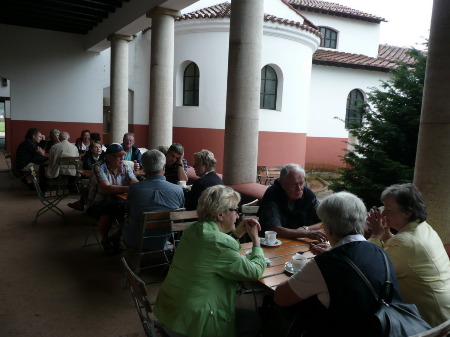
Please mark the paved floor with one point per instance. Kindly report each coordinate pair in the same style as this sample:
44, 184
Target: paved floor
50, 285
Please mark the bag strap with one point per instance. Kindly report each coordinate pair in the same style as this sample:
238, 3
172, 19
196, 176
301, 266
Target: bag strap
387, 286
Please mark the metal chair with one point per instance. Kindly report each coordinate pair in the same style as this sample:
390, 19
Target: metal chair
68, 167
156, 230
442, 330
50, 199
179, 221
142, 303
18, 175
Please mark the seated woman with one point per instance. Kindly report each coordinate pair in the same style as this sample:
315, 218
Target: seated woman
332, 299
84, 141
419, 257
29, 153
93, 155
197, 297
52, 139
204, 167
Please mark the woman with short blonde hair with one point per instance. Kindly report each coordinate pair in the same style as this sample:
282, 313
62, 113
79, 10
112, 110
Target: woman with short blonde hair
197, 297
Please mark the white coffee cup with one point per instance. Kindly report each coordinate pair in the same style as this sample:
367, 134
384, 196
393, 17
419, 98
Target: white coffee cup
298, 262
182, 183
270, 237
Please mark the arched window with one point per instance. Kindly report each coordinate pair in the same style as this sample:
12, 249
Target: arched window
353, 117
269, 85
191, 81
329, 37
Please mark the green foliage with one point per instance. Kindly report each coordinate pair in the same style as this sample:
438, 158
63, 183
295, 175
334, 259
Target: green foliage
387, 140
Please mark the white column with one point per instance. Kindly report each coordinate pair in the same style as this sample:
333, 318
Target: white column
119, 86
432, 171
243, 90
161, 77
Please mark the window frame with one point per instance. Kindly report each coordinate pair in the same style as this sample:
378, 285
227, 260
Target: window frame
263, 94
194, 88
353, 118
331, 40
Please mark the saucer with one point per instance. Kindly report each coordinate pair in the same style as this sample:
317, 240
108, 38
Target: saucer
288, 268
275, 244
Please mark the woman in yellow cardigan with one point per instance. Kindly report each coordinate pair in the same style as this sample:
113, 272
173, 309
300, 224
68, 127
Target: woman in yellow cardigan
419, 257
197, 298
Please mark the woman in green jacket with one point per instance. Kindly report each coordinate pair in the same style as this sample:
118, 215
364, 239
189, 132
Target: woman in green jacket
197, 298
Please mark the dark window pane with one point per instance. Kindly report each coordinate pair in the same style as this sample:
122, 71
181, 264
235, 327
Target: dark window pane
191, 83
329, 39
269, 102
188, 98
353, 117
271, 87
269, 84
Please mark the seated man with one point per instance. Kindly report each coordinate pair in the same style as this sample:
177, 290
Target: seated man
61, 149
176, 165
154, 194
204, 167
288, 207
108, 179
132, 152
29, 153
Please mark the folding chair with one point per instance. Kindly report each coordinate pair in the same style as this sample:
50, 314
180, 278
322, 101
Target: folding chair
68, 175
179, 221
50, 199
142, 303
156, 229
18, 175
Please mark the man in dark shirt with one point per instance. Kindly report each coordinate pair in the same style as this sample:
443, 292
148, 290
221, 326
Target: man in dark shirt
289, 207
176, 165
204, 167
29, 152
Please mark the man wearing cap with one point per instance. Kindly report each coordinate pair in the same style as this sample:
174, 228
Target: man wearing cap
109, 178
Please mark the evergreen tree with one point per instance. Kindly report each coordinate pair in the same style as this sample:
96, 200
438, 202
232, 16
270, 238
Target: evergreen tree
385, 152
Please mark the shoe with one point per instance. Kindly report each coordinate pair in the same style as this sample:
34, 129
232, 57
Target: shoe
108, 247
76, 205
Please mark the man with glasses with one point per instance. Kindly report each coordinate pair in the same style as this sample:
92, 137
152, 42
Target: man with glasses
289, 207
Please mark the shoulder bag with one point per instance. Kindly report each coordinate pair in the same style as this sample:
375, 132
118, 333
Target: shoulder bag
390, 319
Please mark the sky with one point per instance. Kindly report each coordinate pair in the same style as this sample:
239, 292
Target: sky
408, 21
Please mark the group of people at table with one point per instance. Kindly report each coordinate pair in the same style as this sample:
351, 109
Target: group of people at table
197, 297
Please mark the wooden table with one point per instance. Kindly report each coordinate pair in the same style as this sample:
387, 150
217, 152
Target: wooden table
275, 273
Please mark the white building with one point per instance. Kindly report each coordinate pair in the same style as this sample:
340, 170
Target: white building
55, 82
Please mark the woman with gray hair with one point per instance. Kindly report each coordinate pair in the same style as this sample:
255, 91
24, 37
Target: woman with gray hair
197, 297
419, 257
52, 139
330, 298
204, 166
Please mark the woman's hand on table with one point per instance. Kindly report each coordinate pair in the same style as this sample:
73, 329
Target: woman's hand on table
320, 248
251, 227
318, 235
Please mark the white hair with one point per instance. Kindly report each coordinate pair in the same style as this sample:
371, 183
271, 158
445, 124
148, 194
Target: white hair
344, 213
153, 161
288, 168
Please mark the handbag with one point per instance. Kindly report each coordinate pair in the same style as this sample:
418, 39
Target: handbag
390, 319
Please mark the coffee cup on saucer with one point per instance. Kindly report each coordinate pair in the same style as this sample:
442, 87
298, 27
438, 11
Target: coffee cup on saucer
270, 237
298, 262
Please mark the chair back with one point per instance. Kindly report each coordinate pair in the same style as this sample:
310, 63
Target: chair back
69, 165
181, 219
141, 301
442, 330
250, 210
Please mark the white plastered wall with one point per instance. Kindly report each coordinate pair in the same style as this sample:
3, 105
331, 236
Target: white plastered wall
354, 36
330, 87
45, 66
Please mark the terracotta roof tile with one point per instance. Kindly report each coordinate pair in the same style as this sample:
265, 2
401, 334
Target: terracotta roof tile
386, 60
223, 10
331, 8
